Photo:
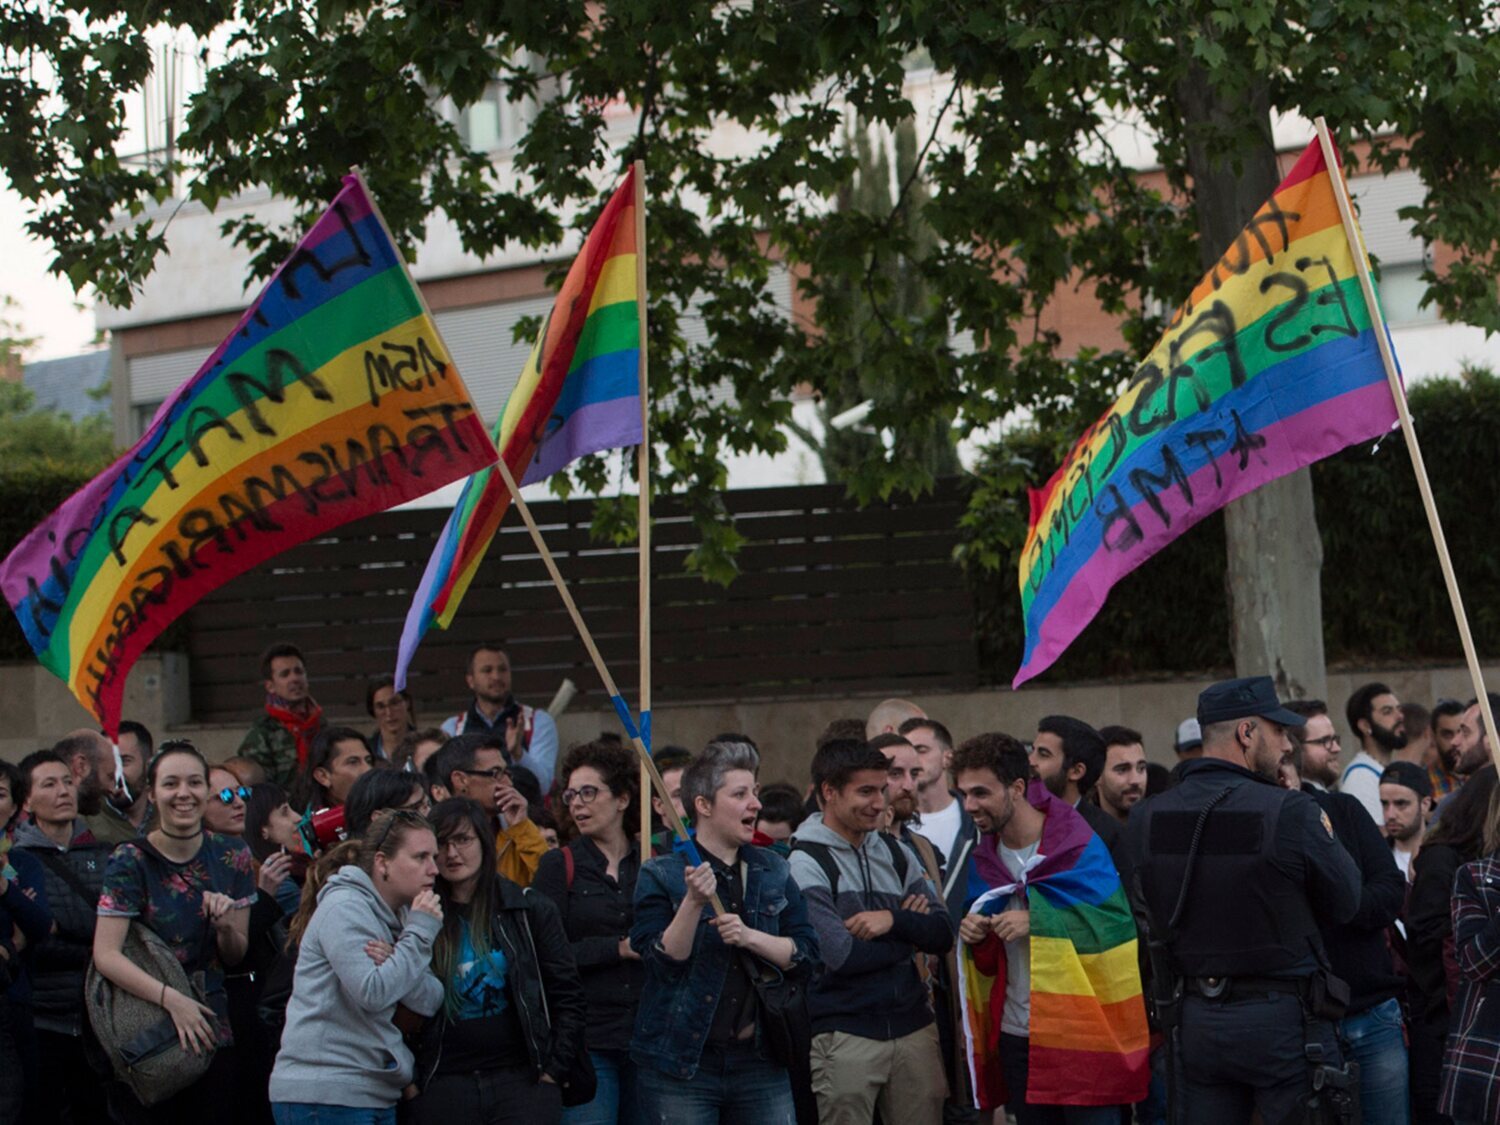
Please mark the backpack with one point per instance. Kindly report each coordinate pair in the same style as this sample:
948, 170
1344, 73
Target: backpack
823, 854
137, 1035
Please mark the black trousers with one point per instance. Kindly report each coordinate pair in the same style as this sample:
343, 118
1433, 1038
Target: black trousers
1246, 1056
489, 1097
68, 1091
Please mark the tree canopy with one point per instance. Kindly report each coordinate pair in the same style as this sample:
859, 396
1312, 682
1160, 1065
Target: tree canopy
1024, 192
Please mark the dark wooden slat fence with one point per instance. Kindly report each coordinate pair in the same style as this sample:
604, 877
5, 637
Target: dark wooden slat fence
830, 599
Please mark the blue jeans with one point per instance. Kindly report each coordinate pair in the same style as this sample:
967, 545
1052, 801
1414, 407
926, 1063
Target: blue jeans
731, 1087
1377, 1042
306, 1113
616, 1102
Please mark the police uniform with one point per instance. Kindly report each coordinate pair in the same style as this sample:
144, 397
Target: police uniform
1246, 944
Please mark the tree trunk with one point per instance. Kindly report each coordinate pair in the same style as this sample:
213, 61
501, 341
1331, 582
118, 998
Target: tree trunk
1274, 577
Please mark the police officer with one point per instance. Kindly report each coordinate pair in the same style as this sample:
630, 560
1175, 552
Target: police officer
1231, 876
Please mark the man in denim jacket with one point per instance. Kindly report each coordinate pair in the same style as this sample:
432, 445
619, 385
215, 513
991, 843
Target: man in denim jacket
875, 1040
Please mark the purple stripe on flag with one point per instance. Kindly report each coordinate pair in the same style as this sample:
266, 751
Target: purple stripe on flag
599, 425
1290, 444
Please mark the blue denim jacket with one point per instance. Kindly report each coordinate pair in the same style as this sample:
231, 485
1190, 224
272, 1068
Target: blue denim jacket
679, 997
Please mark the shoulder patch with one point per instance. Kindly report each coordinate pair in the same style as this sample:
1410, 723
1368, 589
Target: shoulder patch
1327, 824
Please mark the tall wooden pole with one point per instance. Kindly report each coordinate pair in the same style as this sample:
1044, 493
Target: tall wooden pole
1408, 431
643, 504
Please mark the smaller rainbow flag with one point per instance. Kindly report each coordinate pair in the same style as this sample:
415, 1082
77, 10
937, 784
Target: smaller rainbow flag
332, 398
1272, 364
578, 394
1090, 1044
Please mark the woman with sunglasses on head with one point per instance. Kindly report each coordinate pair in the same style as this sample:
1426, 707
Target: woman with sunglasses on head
508, 1044
194, 889
363, 938
592, 881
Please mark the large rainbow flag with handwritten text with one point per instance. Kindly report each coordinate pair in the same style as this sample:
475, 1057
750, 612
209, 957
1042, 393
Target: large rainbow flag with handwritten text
1270, 365
332, 398
1089, 1042
579, 393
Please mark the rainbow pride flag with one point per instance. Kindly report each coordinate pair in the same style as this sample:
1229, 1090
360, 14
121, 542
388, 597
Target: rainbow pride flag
1270, 365
1090, 1044
578, 394
332, 398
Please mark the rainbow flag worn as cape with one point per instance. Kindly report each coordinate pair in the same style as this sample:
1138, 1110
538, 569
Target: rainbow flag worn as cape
1270, 365
332, 398
1089, 1039
578, 394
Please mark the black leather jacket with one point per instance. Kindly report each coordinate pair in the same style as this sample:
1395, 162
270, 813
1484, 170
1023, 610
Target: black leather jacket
544, 987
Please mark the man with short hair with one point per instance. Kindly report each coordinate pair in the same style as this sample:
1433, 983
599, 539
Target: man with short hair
888, 715
1446, 716
1237, 914
1122, 782
528, 736
1042, 899
875, 1042
1358, 950
473, 766
282, 735
132, 803
74, 863
1374, 715
91, 760
941, 813
1406, 800
671, 763
1471, 748
1417, 722
1315, 744
1067, 756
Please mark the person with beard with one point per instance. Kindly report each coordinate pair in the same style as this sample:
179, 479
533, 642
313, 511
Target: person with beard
1446, 716
1035, 851
529, 735
1406, 800
1357, 950
1374, 715
1240, 911
283, 733
1471, 750
91, 760
1123, 780
1067, 756
73, 863
123, 812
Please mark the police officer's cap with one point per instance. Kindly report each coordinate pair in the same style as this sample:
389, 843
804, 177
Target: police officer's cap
1249, 696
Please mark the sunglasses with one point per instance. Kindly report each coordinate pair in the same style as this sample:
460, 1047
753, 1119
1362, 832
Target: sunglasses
407, 817
228, 795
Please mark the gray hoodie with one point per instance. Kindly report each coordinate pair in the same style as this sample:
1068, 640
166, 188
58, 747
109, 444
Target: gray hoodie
340, 1046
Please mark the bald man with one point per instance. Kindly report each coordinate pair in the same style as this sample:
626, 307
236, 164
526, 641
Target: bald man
91, 760
888, 716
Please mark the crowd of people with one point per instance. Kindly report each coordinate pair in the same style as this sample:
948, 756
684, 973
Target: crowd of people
462, 923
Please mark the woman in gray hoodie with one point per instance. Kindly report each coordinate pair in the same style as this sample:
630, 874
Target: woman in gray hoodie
342, 1057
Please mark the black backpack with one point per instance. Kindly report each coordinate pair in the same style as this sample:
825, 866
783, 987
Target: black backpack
823, 854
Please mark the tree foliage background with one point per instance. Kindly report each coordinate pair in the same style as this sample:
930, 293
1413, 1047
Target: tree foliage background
1024, 193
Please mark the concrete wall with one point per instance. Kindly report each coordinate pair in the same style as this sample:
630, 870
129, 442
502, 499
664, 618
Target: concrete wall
35, 709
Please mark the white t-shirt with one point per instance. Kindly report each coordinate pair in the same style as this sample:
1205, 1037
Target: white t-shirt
1403, 861
1016, 1019
1362, 780
942, 828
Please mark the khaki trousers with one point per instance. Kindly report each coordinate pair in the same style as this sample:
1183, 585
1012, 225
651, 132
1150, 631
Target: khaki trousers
851, 1075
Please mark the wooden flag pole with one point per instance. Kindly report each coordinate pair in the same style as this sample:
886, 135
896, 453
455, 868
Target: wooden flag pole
1408, 431
643, 505
670, 810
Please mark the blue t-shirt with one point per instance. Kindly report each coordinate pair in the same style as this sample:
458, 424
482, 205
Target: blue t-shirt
479, 983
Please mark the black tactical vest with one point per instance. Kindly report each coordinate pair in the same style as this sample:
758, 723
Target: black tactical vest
1244, 916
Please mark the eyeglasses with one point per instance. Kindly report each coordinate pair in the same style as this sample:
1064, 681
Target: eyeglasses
494, 773
458, 841
1327, 742
585, 793
228, 795
404, 816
